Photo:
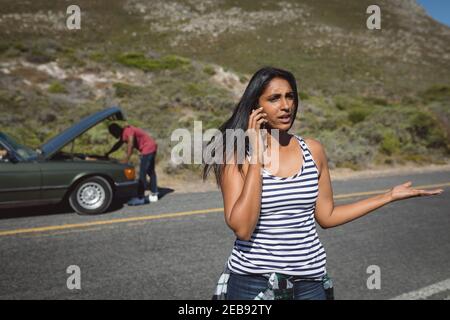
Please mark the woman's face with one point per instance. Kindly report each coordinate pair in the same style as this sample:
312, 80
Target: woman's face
277, 102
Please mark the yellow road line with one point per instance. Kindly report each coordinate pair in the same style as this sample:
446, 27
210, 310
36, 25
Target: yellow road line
37, 235
173, 215
106, 222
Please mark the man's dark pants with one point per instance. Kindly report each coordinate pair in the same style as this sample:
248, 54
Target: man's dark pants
147, 166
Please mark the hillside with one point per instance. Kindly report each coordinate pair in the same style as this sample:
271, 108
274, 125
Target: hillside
371, 96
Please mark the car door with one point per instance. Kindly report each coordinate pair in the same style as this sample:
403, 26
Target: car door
20, 181
57, 176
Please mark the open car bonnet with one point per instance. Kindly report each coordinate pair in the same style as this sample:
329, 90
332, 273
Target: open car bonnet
61, 140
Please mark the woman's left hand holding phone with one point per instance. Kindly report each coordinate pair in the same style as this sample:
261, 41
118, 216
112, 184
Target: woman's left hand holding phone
256, 119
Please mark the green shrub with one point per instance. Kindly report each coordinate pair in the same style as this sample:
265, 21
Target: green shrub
19, 46
125, 90
57, 87
303, 95
41, 50
139, 61
358, 115
39, 57
333, 122
4, 47
202, 95
424, 127
376, 101
346, 148
243, 79
371, 131
419, 158
195, 89
341, 102
173, 62
390, 143
437, 93
209, 70
97, 56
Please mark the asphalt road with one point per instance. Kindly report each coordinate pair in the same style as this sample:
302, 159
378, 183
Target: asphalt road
176, 248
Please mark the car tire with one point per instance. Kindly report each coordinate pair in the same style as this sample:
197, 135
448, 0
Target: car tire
92, 195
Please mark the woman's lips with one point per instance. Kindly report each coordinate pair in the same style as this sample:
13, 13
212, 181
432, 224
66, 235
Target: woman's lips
285, 119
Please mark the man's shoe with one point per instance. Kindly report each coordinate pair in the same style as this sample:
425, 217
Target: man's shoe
153, 198
136, 201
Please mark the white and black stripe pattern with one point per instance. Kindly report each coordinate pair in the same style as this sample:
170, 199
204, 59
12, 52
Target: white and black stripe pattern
285, 239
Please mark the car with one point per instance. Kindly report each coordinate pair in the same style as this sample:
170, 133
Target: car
49, 175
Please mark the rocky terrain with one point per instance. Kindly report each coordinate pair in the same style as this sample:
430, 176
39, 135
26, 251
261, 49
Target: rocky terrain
372, 97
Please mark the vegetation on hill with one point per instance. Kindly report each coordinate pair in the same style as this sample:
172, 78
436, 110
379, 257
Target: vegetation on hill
370, 96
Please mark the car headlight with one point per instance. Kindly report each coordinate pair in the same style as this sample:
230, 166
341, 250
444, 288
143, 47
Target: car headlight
130, 173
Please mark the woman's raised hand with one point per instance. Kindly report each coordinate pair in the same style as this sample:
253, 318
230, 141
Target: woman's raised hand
404, 191
256, 119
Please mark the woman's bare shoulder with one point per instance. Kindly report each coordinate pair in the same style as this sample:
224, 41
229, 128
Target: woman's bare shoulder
314, 144
317, 150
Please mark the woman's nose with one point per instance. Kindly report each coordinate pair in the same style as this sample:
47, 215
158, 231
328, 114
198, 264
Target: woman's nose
285, 106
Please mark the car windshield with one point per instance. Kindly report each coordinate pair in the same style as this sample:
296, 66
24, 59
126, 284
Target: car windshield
24, 152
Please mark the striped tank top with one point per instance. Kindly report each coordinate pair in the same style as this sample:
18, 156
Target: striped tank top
285, 239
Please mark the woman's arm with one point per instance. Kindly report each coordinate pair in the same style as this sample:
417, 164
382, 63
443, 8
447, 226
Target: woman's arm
328, 215
242, 198
242, 194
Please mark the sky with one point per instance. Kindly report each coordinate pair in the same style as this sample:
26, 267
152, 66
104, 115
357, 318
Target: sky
438, 9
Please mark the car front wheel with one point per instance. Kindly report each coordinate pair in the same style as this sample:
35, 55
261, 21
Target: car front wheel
91, 196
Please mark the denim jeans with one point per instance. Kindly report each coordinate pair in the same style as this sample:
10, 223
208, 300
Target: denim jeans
247, 287
147, 167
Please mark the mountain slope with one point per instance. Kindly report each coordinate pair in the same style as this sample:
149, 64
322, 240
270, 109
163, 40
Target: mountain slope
383, 94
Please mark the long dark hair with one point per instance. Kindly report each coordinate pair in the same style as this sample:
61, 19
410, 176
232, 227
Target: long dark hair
242, 111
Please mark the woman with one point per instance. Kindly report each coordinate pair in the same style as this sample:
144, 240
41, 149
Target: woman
273, 207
